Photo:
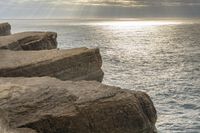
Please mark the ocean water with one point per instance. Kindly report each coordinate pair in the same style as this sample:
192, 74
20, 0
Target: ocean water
161, 58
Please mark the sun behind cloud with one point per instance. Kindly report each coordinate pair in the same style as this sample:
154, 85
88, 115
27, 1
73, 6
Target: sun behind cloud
98, 8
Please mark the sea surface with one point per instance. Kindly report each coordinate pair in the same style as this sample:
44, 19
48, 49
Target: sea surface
160, 57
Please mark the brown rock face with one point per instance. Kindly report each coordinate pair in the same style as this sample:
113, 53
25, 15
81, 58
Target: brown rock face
29, 41
73, 64
5, 29
48, 105
4, 125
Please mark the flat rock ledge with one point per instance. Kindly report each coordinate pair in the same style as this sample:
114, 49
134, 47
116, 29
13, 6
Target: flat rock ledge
29, 41
49, 105
73, 64
5, 29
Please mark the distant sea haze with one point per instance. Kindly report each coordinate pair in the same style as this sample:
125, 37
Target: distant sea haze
161, 58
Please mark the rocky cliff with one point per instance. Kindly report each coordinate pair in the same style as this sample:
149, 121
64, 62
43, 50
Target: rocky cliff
5, 29
73, 64
36, 98
29, 41
49, 105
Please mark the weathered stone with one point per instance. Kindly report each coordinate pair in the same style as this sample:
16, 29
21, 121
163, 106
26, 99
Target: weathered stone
4, 125
74, 64
29, 41
16, 130
5, 29
49, 105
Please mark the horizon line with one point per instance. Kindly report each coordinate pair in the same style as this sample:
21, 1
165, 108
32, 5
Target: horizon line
95, 18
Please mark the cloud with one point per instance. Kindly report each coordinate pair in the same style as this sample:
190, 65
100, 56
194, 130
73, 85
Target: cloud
98, 8
109, 2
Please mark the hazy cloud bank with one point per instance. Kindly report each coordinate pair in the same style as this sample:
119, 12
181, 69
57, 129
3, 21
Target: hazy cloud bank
98, 8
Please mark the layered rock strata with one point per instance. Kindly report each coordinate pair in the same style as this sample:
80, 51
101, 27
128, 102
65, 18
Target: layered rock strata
73, 64
29, 41
48, 105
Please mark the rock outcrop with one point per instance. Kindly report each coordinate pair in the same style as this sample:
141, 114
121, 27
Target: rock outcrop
49, 105
29, 41
35, 98
5, 29
73, 64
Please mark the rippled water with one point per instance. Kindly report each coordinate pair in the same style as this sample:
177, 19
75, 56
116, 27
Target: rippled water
161, 58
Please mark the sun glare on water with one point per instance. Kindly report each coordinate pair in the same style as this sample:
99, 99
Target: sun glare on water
135, 24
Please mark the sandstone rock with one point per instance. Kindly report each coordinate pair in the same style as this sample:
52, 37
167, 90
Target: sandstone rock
22, 130
4, 125
74, 64
29, 41
5, 29
49, 105
18, 130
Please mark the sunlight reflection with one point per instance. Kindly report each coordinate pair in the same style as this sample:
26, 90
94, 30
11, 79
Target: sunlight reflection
137, 37
135, 24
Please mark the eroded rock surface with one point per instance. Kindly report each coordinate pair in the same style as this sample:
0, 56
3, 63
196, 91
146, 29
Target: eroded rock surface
49, 105
73, 64
29, 41
4, 124
5, 29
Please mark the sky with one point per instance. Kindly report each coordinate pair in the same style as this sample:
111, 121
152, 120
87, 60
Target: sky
50, 9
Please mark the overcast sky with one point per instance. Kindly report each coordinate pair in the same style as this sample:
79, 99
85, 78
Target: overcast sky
98, 8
